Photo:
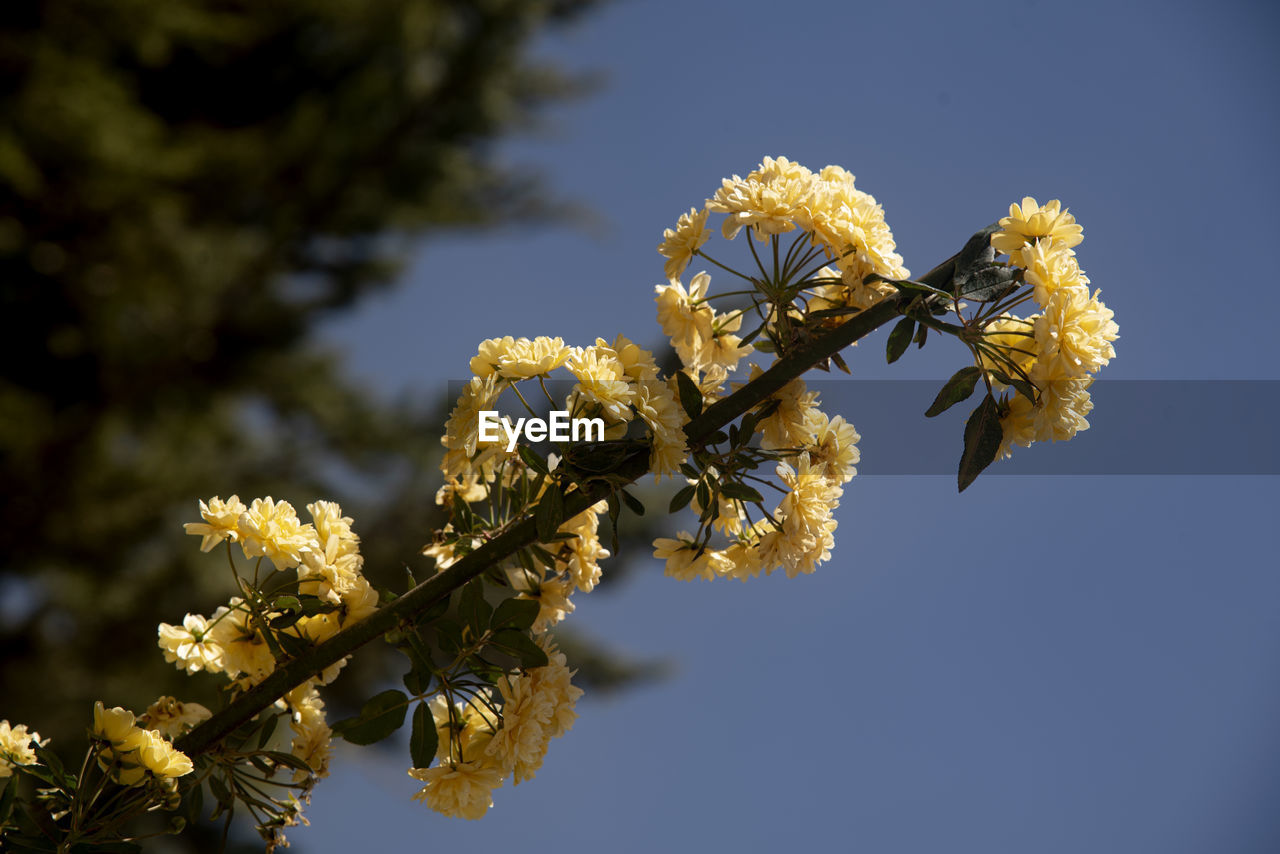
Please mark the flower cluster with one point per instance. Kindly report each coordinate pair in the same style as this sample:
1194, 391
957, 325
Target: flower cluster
1059, 349
482, 743
817, 456
617, 383
244, 639
325, 553
840, 255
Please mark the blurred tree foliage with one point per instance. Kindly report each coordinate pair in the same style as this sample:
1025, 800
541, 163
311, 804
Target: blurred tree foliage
186, 189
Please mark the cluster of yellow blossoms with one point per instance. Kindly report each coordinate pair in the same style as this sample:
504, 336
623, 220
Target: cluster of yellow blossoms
846, 227
782, 196
479, 747
1062, 347
819, 455
326, 556
617, 383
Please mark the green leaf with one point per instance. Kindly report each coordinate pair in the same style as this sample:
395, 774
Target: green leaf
976, 254
463, 518
415, 681
193, 803
270, 719
839, 362
740, 491
958, 388
982, 437
543, 556
520, 645
473, 608
533, 460
615, 510
704, 495
681, 499
515, 613
1023, 387
6, 799
549, 514
382, 715
899, 339
633, 503
921, 334
690, 395
288, 760
989, 283
220, 794
425, 740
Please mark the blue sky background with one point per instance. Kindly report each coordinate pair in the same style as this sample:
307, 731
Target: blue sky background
1044, 663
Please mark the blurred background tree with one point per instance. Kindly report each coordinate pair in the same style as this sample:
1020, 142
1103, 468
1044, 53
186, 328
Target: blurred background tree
186, 190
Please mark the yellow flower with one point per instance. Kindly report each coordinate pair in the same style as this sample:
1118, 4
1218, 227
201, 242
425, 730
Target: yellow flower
519, 358
832, 448
656, 404
686, 238
552, 597
272, 529
461, 437
464, 733
683, 561
850, 225
1074, 335
244, 652
1051, 266
1014, 339
160, 757
191, 646
685, 316
461, 790
221, 519
537, 707
172, 718
311, 732
16, 747
1030, 222
771, 200
602, 380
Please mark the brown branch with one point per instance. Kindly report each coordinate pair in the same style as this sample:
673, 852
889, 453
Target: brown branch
293, 673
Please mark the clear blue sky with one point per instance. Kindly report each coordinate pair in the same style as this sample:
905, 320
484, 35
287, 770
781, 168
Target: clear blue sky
1048, 664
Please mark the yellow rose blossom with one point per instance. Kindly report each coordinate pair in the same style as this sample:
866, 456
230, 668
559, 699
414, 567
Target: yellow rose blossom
271, 529
685, 316
16, 747
1074, 335
601, 380
679, 244
464, 733
191, 646
771, 200
519, 358
461, 790
1030, 221
684, 563
221, 519
172, 718
552, 597
538, 706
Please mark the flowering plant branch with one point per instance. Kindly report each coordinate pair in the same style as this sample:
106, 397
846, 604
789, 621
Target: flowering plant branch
486, 684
